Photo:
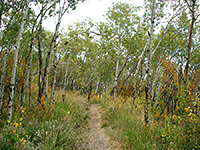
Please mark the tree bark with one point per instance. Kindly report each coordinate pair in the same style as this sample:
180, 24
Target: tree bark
116, 75
141, 81
136, 72
89, 91
52, 99
149, 57
12, 82
2, 81
190, 41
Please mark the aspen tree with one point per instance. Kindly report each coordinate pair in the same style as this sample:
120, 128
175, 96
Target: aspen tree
12, 81
192, 10
116, 75
48, 58
149, 57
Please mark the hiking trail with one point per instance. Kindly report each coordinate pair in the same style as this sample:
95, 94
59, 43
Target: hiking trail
97, 139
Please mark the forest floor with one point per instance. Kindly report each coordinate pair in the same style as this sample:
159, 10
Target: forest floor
97, 138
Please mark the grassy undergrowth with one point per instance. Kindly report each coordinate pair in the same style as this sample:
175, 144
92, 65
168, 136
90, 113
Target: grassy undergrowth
127, 127
57, 127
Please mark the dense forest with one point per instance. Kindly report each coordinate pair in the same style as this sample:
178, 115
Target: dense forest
143, 59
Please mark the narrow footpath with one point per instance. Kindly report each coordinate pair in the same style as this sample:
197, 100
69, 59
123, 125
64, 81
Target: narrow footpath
97, 139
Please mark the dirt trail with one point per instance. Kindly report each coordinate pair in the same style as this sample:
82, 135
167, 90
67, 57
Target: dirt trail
97, 139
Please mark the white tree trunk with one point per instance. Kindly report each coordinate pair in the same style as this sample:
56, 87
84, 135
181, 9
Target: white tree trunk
12, 81
116, 74
149, 57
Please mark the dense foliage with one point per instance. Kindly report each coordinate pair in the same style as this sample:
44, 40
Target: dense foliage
147, 55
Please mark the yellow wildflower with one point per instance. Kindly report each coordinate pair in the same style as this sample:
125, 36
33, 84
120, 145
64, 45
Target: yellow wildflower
15, 125
174, 117
14, 130
186, 109
194, 129
20, 119
26, 135
22, 139
68, 112
191, 114
8, 121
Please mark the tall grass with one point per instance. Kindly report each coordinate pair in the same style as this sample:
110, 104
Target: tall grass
56, 127
127, 126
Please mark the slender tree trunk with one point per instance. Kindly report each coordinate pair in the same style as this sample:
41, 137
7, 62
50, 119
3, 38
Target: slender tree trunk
141, 81
40, 68
190, 41
97, 86
89, 91
2, 81
65, 77
149, 57
157, 93
154, 86
12, 82
55, 63
128, 76
52, 45
30, 77
17, 71
47, 67
136, 72
198, 101
116, 75
23, 92
25, 87
52, 99
74, 85
105, 88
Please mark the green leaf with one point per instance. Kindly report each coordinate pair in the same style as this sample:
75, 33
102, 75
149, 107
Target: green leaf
15, 138
7, 137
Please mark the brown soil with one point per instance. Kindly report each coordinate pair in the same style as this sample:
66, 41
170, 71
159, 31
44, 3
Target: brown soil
97, 139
